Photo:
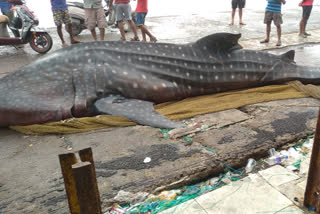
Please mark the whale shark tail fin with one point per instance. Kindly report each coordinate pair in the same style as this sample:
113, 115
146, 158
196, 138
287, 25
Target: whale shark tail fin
139, 111
219, 42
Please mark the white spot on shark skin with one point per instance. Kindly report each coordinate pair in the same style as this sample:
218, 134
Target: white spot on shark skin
175, 84
187, 74
139, 58
125, 73
114, 71
183, 55
245, 65
231, 66
144, 76
214, 67
185, 64
155, 87
246, 76
87, 54
179, 47
89, 60
189, 87
204, 48
166, 46
86, 47
164, 85
120, 89
129, 60
201, 77
163, 54
177, 70
135, 85
232, 76
216, 77
199, 66
229, 55
138, 48
119, 57
260, 67
109, 82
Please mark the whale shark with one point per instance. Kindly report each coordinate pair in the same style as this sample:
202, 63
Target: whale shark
127, 78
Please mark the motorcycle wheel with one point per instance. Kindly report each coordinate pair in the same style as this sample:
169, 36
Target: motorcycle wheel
76, 29
41, 42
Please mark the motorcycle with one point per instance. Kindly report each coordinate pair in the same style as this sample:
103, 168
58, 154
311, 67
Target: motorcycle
77, 14
24, 27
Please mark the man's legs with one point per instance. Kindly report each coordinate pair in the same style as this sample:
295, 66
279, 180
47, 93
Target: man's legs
69, 29
59, 30
268, 30
302, 26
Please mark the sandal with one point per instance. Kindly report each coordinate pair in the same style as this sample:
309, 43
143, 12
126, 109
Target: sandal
264, 41
278, 43
135, 39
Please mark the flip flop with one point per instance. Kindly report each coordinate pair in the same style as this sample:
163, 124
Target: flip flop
135, 39
241, 23
278, 43
264, 41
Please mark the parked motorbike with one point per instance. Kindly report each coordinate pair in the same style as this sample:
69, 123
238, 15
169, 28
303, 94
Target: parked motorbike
24, 27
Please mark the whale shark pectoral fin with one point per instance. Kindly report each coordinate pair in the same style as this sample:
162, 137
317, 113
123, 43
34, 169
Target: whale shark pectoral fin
139, 111
288, 56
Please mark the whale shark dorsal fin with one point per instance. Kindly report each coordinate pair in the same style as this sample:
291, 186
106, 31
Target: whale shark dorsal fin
288, 56
219, 42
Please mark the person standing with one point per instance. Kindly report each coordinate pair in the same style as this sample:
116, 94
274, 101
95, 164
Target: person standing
240, 5
273, 13
306, 11
95, 16
61, 16
141, 13
5, 8
123, 11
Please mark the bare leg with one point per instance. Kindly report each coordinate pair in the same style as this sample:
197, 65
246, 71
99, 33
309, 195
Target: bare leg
279, 35
101, 33
146, 31
134, 29
232, 16
59, 30
268, 30
94, 34
143, 33
240, 17
69, 29
121, 28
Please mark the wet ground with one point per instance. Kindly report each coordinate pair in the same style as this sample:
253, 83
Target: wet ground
30, 177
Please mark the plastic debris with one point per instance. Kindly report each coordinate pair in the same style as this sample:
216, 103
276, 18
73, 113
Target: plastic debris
276, 159
250, 165
116, 209
147, 160
272, 152
167, 195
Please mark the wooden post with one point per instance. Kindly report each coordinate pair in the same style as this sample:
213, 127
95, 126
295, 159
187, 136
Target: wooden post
312, 193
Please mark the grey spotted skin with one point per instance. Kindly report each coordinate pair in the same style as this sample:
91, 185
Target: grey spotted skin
126, 78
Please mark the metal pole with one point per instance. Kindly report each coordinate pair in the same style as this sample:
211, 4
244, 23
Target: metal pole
66, 162
86, 191
312, 193
81, 182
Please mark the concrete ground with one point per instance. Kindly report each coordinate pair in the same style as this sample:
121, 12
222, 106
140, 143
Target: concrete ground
30, 176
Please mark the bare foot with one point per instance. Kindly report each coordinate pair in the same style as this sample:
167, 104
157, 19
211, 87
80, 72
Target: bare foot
231, 23
153, 39
64, 45
73, 41
241, 23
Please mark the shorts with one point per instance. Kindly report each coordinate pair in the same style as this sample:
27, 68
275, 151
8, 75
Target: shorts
95, 17
306, 11
61, 17
123, 11
276, 17
5, 7
140, 18
238, 4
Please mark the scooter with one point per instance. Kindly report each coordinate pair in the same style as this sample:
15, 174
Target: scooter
24, 27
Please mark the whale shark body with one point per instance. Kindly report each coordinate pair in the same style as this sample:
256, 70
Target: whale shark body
127, 78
